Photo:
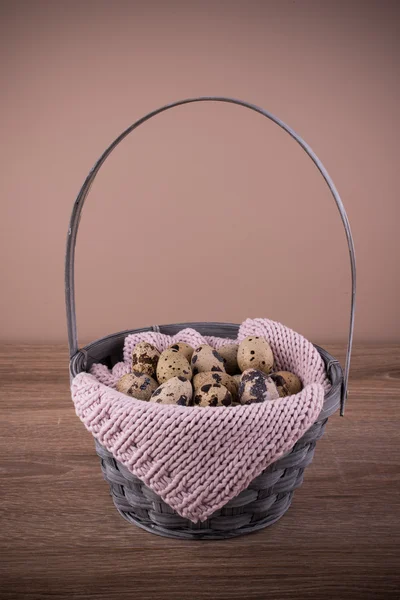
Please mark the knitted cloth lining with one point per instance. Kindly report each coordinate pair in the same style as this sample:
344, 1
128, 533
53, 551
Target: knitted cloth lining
197, 459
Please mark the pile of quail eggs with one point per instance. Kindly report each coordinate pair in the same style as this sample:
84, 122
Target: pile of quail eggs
235, 374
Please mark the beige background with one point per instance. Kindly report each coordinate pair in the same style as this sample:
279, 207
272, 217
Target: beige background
208, 212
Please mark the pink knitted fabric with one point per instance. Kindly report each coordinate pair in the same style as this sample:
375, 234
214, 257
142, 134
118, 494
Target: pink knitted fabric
197, 459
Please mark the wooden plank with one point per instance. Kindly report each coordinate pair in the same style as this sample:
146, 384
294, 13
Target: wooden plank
62, 538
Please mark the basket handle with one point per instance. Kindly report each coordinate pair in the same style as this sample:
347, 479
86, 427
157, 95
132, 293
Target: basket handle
77, 209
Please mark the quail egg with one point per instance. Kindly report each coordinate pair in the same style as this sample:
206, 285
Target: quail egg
255, 353
206, 358
176, 390
287, 383
229, 354
237, 378
145, 358
212, 394
256, 386
137, 385
184, 349
212, 377
172, 364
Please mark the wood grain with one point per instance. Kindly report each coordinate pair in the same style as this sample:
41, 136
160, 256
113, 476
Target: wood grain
62, 538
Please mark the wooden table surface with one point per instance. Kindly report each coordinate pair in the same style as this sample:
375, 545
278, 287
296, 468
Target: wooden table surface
61, 536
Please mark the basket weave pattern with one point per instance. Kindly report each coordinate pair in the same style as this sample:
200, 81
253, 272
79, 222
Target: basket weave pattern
265, 500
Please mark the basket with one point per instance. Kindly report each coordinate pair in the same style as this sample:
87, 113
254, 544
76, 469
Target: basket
269, 495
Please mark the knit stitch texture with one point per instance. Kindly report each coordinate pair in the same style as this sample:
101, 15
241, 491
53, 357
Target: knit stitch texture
197, 459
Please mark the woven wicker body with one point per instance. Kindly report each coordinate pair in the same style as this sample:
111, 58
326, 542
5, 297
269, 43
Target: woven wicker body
265, 500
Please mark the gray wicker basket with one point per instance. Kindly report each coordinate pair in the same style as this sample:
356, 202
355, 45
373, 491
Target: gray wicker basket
269, 495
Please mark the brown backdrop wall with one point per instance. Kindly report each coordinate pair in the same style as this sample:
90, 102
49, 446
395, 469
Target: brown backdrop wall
208, 212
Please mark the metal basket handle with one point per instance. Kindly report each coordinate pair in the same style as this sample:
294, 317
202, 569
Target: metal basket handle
77, 209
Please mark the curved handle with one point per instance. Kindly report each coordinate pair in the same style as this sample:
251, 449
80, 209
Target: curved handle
77, 209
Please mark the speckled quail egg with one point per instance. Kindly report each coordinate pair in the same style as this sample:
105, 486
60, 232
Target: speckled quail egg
256, 386
137, 385
206, 358
229, 354
237, 378
287, 383
216, 377
172, 364
184, 349
255, 353
212, 394
145, 358
176, 390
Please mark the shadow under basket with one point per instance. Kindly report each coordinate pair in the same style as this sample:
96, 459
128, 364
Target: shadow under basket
262, 503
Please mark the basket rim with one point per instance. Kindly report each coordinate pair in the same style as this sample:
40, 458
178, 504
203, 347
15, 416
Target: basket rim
91, 353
